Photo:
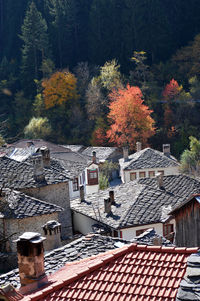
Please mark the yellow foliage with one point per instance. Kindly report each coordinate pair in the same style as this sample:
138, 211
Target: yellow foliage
59, 88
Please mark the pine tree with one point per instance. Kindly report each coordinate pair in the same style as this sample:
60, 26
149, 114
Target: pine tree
35, 44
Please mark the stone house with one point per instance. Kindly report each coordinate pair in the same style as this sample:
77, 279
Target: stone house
126, 211
147, 163
41, 179
20, 213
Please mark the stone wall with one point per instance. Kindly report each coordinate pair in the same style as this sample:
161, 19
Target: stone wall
57, 194
16, 227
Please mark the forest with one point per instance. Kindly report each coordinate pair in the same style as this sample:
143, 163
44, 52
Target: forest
100, 72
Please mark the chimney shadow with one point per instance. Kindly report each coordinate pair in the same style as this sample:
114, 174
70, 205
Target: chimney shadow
113, 216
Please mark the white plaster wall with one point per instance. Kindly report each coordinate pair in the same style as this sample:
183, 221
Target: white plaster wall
82, 223
73, 194
125, 174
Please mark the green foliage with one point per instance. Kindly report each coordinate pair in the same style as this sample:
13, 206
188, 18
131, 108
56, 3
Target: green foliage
110, 76
103, 182
190, 159
38, 128
107, 168
2, 140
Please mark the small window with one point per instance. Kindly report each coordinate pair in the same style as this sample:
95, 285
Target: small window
151, 174
92, 176
75, 184
115, 233
161, 171
133, 176
142, 174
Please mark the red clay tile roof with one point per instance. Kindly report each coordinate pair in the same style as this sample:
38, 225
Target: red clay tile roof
10, 293
134, 272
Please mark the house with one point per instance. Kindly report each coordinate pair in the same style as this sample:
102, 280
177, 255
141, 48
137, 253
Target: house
84, 247
147, 163
40, 180
126, 211
18, 213
132, 272
187, 217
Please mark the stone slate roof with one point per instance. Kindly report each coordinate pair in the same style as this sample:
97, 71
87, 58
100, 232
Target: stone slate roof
19, 205
75, 148
151, 238
148, 158
73, 168
190, 286
180, 185
39, 143
102, 153
72, 156
135, 204
83, 247
19, 175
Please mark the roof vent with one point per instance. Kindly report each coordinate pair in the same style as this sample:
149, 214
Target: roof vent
45, 156
159, 177
38, 168
107, 205
166, 150
138, 146
125, 153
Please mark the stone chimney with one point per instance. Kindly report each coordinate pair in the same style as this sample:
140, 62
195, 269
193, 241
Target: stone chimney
52, 232
166, 150
125, 153
107, 205
159, 177
38, 168
82, 193
30, 254
112, 197
94, 158
45, 156
29, 143
138, 146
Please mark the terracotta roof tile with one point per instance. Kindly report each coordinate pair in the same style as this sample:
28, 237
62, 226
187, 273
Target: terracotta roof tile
129, 273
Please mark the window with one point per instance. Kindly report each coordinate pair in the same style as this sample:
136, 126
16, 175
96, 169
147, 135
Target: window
92, 176
151, 174
161, 171
75, 184
133, 176
168, 231
142, 174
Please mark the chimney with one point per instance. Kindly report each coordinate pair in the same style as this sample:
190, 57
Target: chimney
159, 177
138, 146
112, 197
52, 232
29, 143
45, 156
82, 193
125, 153
166, 150
38, 167
30, 254
94, 158
107, 205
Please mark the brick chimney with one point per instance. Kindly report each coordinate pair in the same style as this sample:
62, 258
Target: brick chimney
159, 177
138, 146
38, 168
52, 232
125, 153
166, 150
107, 205
30, 254
45, 156
94, 158
112, 197
82, 193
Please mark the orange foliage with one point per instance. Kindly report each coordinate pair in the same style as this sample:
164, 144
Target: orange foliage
130, 118
99, 137
172, 90
59, 88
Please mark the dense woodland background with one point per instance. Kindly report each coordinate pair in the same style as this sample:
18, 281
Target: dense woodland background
62, 60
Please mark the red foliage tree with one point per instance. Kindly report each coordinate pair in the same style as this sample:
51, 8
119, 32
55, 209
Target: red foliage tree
172, 90
130, 119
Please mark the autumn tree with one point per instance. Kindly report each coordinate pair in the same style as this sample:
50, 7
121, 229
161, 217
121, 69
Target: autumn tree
59, 88
38, 128
130, 119
172, 90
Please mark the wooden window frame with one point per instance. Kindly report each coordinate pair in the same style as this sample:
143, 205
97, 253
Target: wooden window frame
92, 180
162, 172
142, 172
152, 171
133, 173
75, 184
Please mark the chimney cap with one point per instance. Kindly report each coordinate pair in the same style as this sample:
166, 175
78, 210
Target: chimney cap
33, 237
51, 225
